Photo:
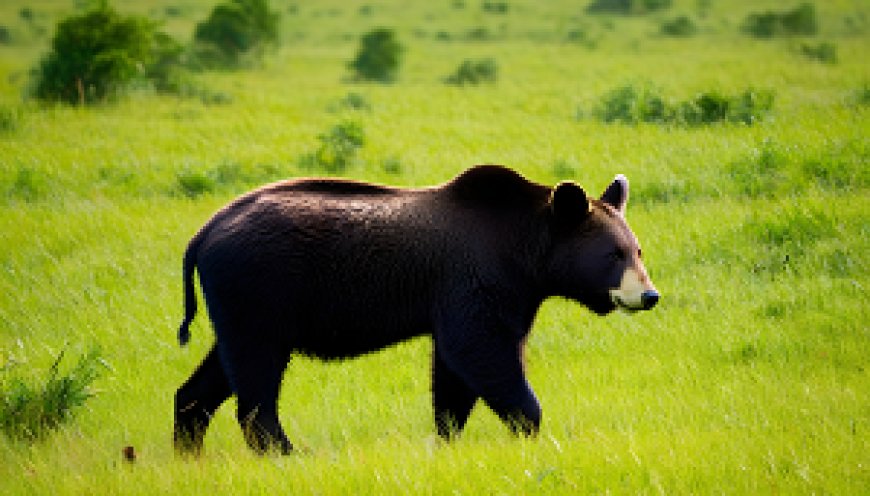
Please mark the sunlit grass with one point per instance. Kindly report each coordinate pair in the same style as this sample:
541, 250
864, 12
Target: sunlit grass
750, 377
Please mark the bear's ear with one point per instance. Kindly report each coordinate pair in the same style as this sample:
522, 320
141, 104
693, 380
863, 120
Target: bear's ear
569, 202
616, 195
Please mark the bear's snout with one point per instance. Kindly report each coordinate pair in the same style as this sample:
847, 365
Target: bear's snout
649, 299
635, 291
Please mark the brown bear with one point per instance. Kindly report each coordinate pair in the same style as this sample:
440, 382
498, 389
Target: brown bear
335, 269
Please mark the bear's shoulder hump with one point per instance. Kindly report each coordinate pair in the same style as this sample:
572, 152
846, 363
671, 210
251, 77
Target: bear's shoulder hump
495, 185
331, 187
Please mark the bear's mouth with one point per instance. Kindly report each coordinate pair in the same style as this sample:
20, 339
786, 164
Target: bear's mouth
622, 305
599, 303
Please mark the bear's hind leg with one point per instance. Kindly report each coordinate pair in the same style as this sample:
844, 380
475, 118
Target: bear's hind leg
197, 400
256, 373
452, 399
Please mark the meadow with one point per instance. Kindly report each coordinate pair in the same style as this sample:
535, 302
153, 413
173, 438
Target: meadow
751, 376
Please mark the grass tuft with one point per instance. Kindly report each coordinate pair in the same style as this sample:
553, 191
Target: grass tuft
31, 408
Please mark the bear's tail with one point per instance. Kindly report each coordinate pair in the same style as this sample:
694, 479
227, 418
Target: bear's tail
189, 290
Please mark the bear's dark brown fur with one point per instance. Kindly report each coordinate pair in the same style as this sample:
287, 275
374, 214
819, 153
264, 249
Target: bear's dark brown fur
335, 269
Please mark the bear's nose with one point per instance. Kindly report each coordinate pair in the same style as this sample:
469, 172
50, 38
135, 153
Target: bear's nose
649, 298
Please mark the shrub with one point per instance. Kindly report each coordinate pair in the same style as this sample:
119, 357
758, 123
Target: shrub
173, 11
93, 56
354, 101
750, 106
31, 409
479, 33
226, 176
474, 72
392, 165
10, 119
337, 148
706, 108
235, 32
165, 70
378, 57
801, 20
194, 183
861, 96
823, 52
679, 26
496, 7
626, 7
710, 107
632, 104
564, 169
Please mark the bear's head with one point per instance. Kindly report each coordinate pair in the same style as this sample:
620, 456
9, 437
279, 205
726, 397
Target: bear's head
595, 258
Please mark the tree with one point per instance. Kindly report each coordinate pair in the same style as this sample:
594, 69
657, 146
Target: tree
97, 54
234, 30
378, 57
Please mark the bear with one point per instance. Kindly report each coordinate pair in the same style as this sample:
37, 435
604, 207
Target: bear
334, 269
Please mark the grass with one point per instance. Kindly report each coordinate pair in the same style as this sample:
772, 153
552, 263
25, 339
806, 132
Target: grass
750, 377
31, 409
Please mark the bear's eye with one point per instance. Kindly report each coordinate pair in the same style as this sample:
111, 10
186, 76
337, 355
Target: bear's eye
617, 255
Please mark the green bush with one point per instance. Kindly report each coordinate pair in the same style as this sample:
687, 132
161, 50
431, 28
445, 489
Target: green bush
710, 107
96, 55
679, 26
802, 20
194, 183
626, 7
226, 176
378, 57
165, 72
750, 106
479, 33
861, 96
474, 72
354, 101
636, 103
632, 104
564, 169
10, 119
337, 148
706, 108
235, 33
496, 7
392, 165
29, 409
823, 52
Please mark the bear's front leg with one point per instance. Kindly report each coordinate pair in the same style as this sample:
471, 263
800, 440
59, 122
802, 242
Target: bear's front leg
452, 398
489, 363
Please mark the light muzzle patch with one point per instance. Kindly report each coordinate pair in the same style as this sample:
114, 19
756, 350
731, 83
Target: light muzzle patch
629, 295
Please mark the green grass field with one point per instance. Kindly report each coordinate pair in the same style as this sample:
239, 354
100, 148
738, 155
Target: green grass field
751, 376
